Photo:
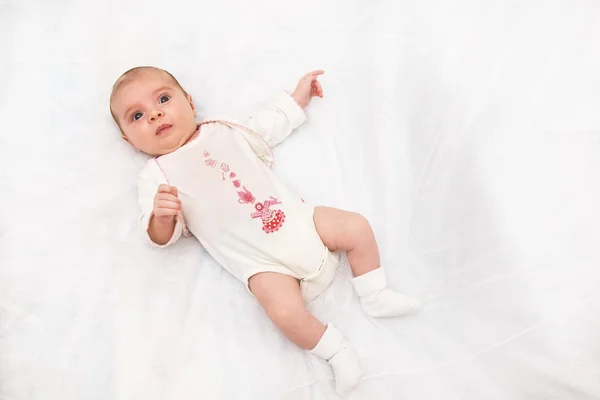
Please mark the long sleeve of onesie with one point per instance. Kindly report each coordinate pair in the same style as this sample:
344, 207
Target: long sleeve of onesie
149, 179
275, 122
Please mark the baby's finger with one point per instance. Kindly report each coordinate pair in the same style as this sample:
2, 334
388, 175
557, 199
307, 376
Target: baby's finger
167, 196
163, 188
167, 189
312, 75
319, 88
163, 212
173, 190
168, 204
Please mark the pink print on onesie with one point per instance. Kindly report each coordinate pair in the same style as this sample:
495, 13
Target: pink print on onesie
272, 220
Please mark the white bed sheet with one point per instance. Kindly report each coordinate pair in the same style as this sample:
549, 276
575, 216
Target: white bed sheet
467, 131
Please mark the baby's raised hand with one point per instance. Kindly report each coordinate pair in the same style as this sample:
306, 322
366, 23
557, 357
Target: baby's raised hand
167, 205
308, 86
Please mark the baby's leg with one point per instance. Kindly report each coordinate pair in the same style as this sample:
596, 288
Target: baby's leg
351, 232
282, 300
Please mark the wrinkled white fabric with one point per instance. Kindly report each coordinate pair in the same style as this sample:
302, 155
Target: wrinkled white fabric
466, 131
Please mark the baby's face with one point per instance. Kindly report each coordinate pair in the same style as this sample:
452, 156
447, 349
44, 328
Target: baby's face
155, 115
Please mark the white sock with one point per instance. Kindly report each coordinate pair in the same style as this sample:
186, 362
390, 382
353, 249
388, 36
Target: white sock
340, 354
377, 300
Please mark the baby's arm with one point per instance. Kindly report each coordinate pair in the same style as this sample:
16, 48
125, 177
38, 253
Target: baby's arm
164, 214
275, 122
159, 206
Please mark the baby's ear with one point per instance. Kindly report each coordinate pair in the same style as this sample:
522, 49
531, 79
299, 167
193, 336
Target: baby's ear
189, 98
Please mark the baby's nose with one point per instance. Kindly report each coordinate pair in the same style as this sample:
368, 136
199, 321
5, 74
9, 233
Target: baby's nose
155, 115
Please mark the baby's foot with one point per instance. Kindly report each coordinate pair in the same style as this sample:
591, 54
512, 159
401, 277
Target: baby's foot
340, 354
346, 369
379, 301
387, 303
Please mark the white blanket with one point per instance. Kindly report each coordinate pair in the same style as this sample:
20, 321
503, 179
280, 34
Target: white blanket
467, 131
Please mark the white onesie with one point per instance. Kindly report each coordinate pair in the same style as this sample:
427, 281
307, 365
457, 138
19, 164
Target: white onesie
235, 205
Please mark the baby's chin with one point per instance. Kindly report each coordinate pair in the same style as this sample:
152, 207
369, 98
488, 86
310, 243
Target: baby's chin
171, 140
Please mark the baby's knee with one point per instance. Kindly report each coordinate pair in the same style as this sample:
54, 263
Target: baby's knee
358, 223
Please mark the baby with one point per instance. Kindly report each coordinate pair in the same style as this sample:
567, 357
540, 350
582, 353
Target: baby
213, 180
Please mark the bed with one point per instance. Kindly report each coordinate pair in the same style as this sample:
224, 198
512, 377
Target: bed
468, 132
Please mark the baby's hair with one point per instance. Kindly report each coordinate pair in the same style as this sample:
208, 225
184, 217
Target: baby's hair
130, 75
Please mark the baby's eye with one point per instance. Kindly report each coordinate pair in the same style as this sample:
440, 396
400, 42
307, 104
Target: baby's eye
136, 116
163, 99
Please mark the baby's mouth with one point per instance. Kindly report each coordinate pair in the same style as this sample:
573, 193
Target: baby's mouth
163, 128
